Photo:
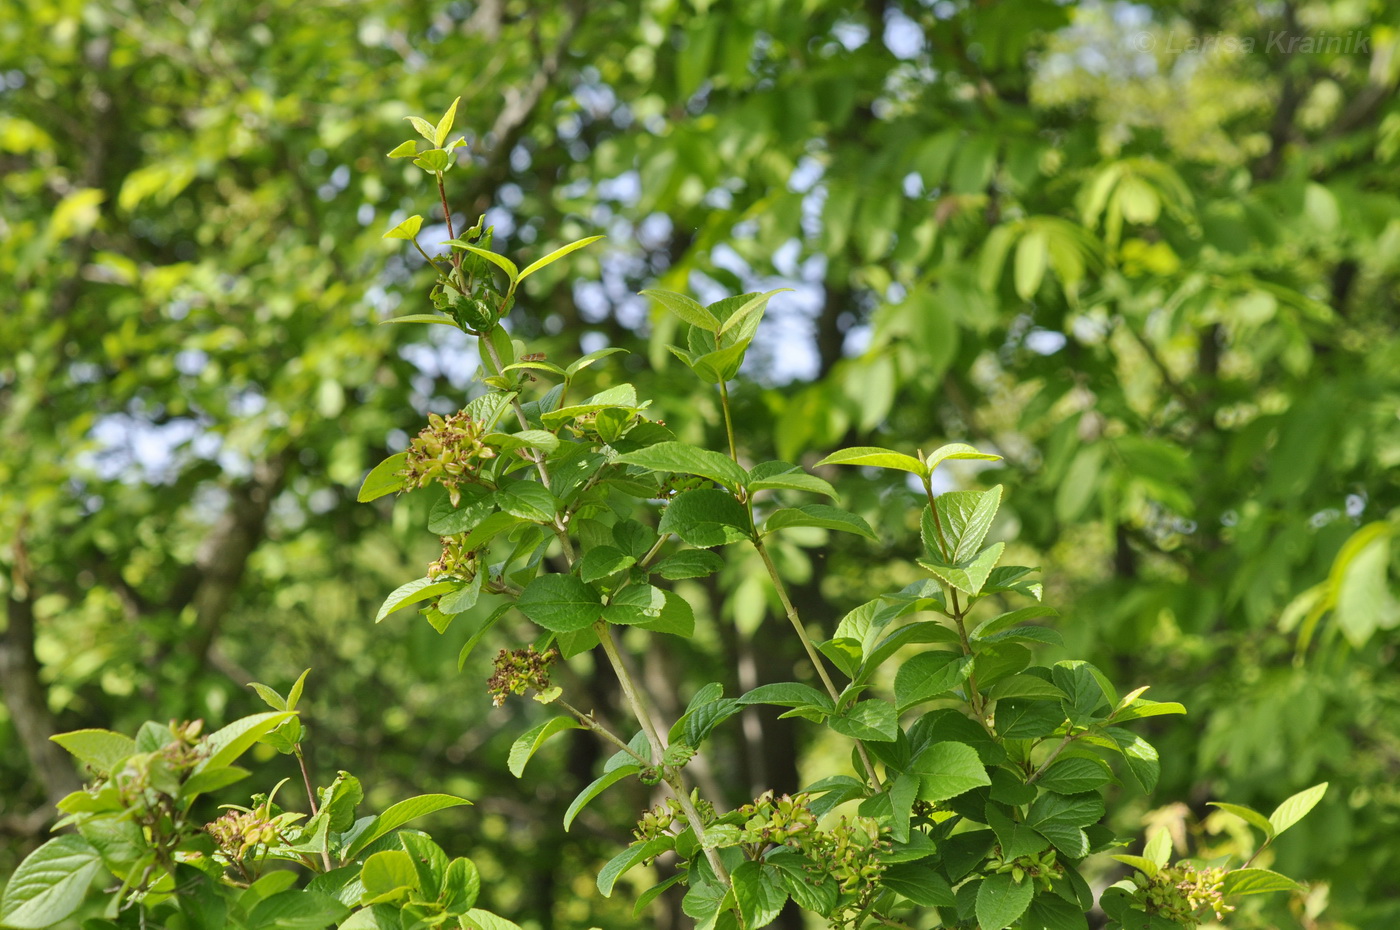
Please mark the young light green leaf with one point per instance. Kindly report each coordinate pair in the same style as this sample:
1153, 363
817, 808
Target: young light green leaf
1138, 709
528, 500
529, 743
755, 305
421, 318
1143, 864
876, 457
405, 150
408, 229
50, 883
228, 743
688, 309
424, 128
556, 255
1256, 881
1249, 815
681, 458
1159, 848
819, 515
636, 603
561, 603
102, 750
477, 919
788, 694
956, 450
780, 476
721, 364
433, 160
420, 589
495, 258
383, 478
1296, 808
444, 125
596, 787
401, 813
590, 358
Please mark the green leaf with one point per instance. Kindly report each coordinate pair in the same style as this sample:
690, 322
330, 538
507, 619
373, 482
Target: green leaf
461, 886
297, 910
530, 742
383, 478
596, 787
602, 561
721, 364
561, 603
1296, 808
1140, 708
989, 628
101, 750
956, 450
205, 782
582, 363
540, 439
876, 457
1028, 718
875, 721
929, 675
477, 919
1143, 864
1076, 775
772, 476
386, 875
294, 695
404, 150
528, 500
424, 128
1159, 848
619, 395
1051, 912
1024, 686
680, 458
421, 318
629, 857
689, 563
759, 892
947, 770
495, 258
475, 505
1001, 900
408, 229
433, 160
819, 515
420, 589
1256, 881
919, 882
969, 576
789, 694
50, 883
556, 255
809, 888
705, 518
444, 125
966, 517
227, 744
1248, 815
636, 603
1032, 257
688, 309
400, 814
752, 306
676, 617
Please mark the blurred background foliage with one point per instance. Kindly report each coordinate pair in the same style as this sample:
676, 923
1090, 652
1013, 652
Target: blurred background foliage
1148, 251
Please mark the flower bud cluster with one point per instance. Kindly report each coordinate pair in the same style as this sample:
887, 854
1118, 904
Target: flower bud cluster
1041, 867
456, 561
849, 851
237, 832
449, 451
1179, 892
667, 817
519, 669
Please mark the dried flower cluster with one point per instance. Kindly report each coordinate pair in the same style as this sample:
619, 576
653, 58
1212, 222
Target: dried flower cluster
519, 669
448, 451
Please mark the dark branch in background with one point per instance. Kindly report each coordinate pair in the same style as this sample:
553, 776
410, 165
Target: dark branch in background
1290, 98
24, 693
514, 117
